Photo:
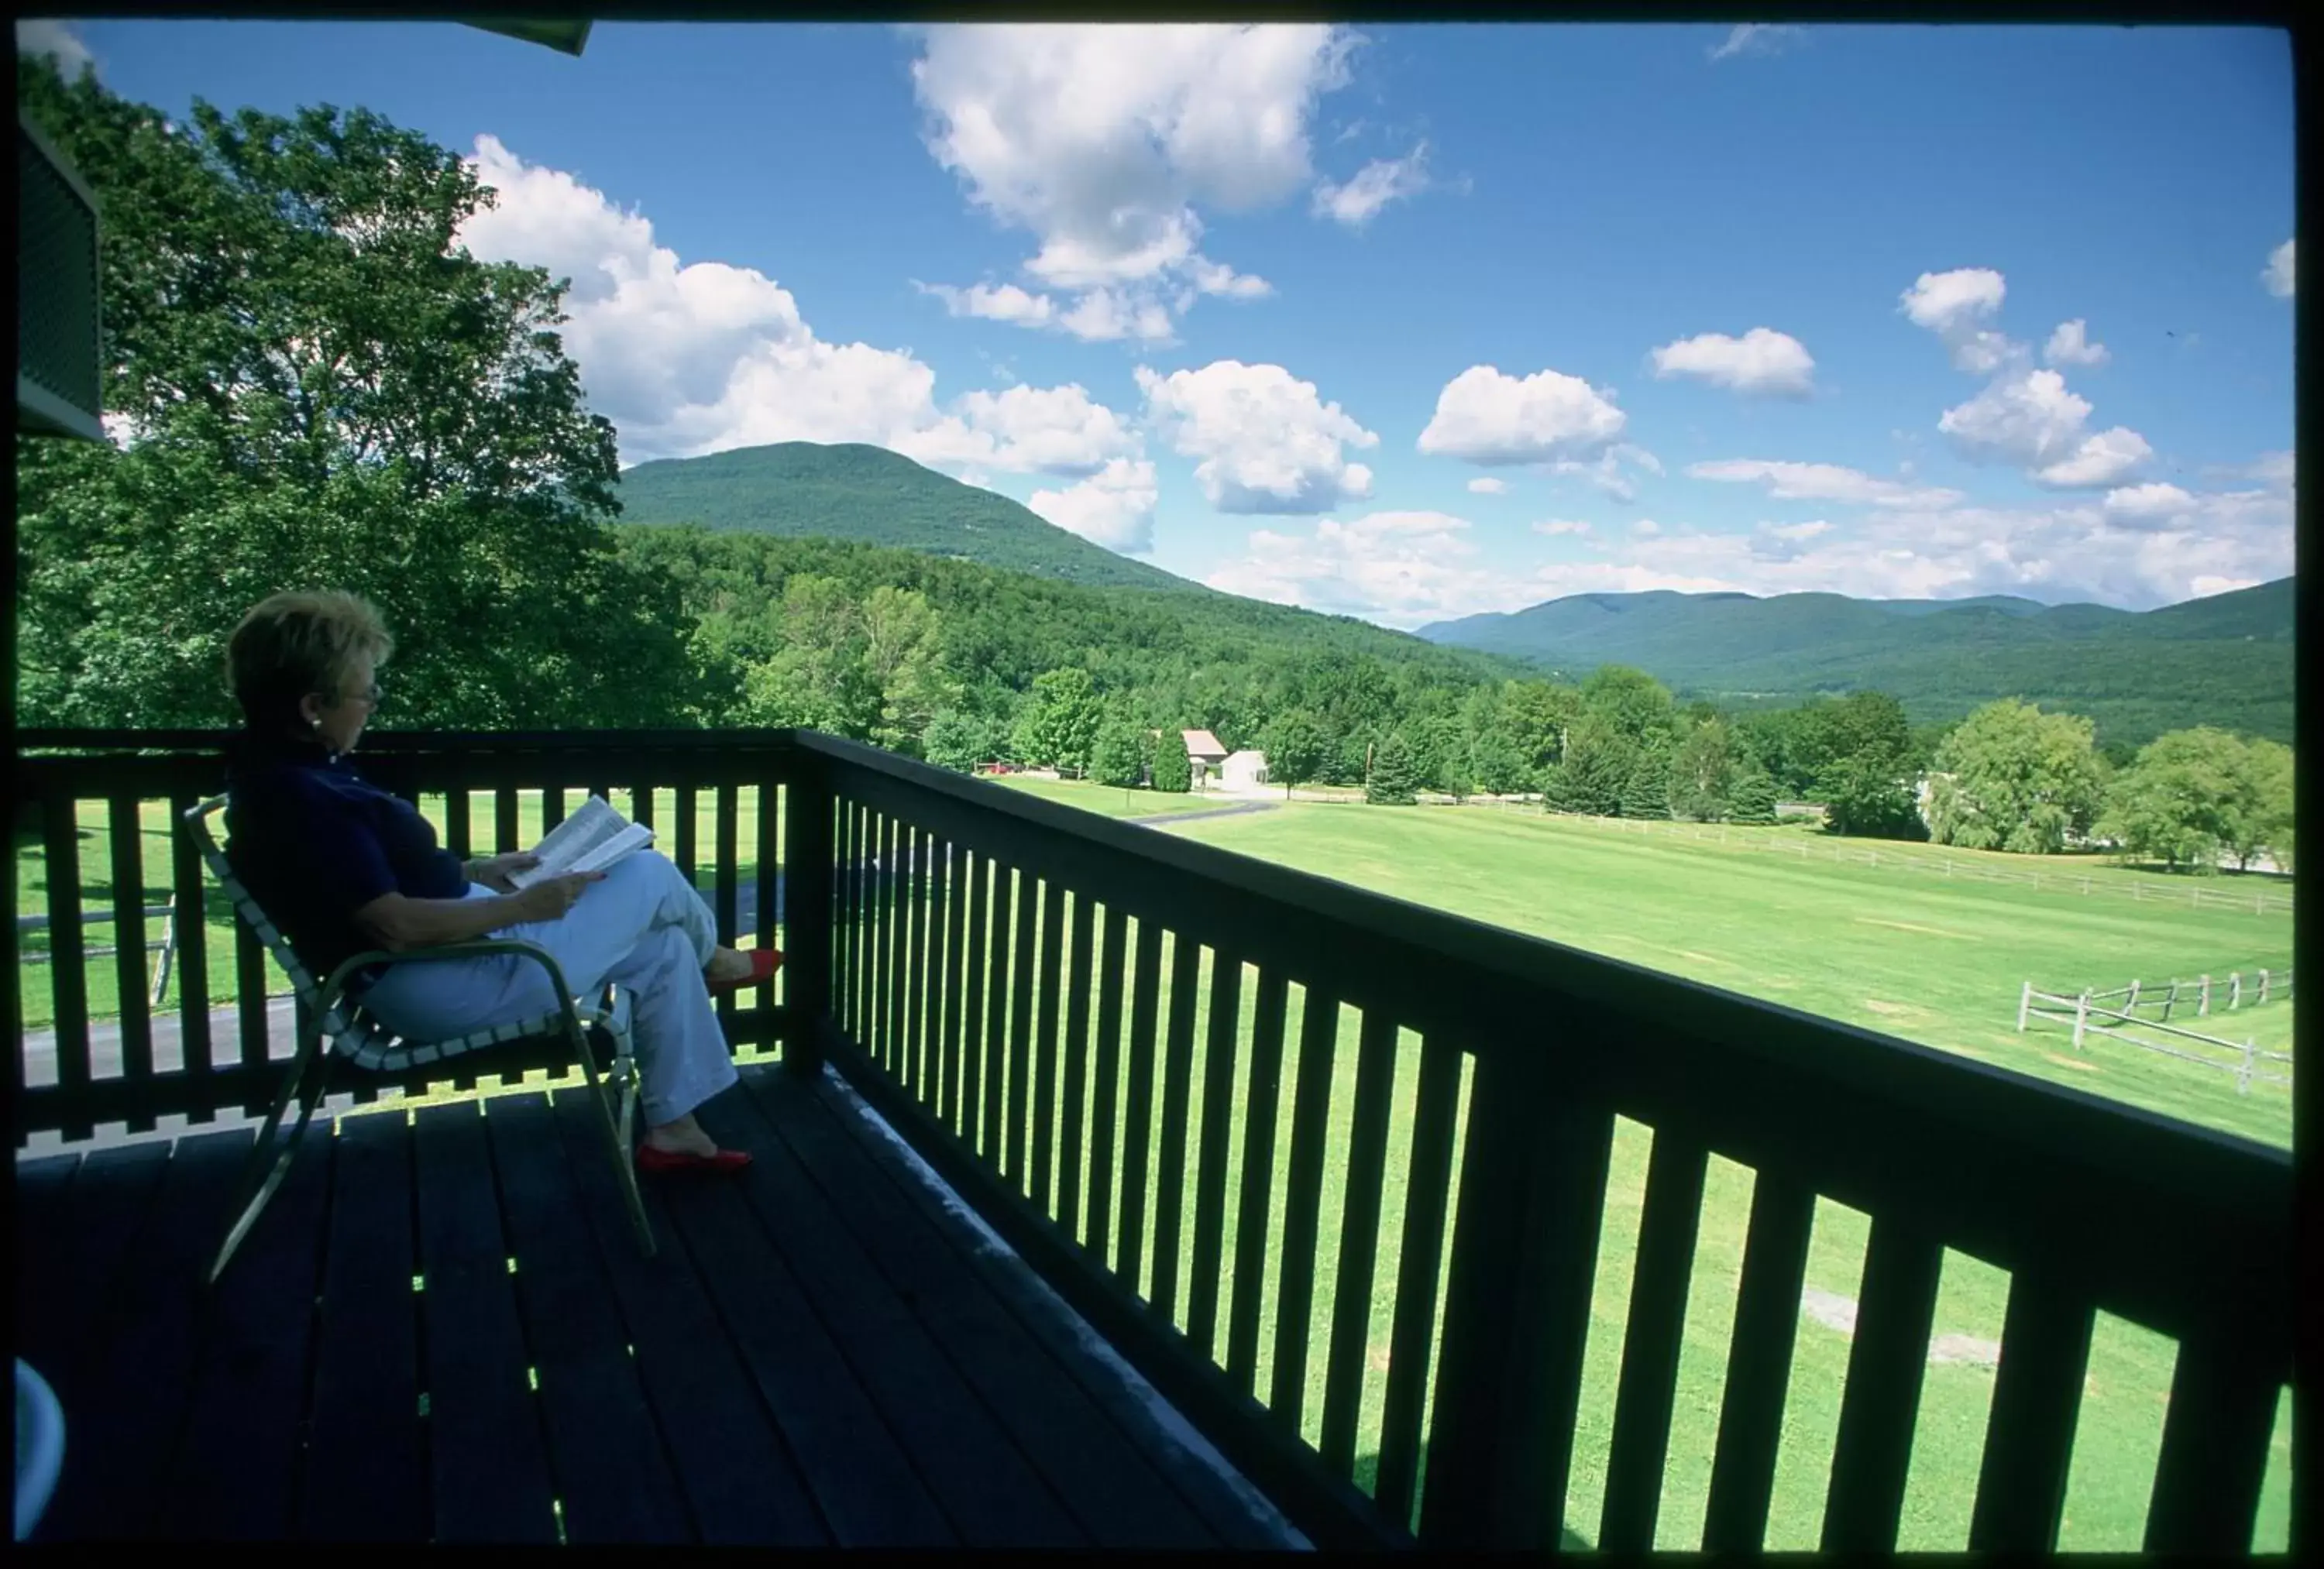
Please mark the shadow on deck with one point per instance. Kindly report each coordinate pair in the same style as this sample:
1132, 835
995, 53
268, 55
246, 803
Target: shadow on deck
443, 1330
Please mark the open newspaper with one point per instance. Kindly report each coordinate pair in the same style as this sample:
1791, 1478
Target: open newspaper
592, 839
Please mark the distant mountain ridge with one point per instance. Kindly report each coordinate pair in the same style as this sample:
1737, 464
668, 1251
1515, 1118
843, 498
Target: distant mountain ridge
868, 494
2225, 659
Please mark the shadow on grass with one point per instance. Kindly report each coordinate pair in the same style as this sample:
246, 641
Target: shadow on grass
1367, 1481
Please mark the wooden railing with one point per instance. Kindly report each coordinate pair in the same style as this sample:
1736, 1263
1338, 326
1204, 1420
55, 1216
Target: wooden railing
1357, 1247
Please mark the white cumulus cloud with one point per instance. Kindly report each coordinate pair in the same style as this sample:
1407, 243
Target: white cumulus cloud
1004, 302
1105, 143
1761, 361
1955, 306
2070, 344
1113, 507
687, 358
1372, 187
1793, 481
1486, 485
57, 40
1400, 569
1559, 525
2149, 501
1485, 417
2032, 420
1265, 441
1756, 38
2278, 277
2105, 459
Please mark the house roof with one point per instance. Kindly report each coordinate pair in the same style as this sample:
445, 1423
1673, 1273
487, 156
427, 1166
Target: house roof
1258, 757
1202, 743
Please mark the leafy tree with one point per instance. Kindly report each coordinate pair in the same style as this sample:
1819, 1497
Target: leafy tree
1630, 702
2263, 821
1647, 791
1498, 765
1297, 750
1598, 763
1395, 777
1119, 755
1062, 725
1754, 800
1866, 794
903, 662
1535, 716
2174, 802
318, 386
1173, 770
1702, 771
960, 740
2012, 777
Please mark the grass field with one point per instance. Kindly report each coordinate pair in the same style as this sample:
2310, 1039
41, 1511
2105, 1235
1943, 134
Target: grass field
1108, 802
1884, 949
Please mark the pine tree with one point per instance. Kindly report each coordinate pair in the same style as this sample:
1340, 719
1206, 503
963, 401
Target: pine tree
1755, 796
1647, 791
1172, 770
1395, 777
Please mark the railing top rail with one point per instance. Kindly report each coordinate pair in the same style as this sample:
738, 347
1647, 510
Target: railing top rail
408, 742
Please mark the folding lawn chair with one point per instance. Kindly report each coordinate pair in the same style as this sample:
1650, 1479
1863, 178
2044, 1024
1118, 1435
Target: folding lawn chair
328, 1014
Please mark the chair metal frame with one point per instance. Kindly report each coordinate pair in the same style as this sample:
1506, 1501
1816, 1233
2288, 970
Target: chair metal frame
357, 1039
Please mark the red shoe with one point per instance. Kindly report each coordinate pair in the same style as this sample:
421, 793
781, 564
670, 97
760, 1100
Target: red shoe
653, 1159
764, 962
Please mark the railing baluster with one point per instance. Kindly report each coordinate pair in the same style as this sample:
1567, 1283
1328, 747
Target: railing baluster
1097, 1233
1137, 1111
506, 829
2037, 1395
996, 1014
932, 965
859, 924
1525, 1251
642, 808
1177, 1075
2215, 1442
689, 829
725, 827
455, 820
193, 934
1650, 1344
955, 921
807, 831
974, 991
1262, 1104
913, 982
1070, 1163
1352, 1303
1419, 1260
250, 973
1885, 1364
68, 969
1020, 1030
552, 806
1044, 1045
125, 829
1758, 1364
1302, 1204
1211, 1170
888, 980
774, 804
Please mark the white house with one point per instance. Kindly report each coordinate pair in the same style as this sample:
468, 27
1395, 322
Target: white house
1243, 771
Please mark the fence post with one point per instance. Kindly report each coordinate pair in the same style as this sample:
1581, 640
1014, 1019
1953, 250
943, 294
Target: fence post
2170, 1002
2081, 1016
2138, 890
807, 912
2025, 1006
2235, 990
2132, 1004
2244, 1072
169, 948
2263, 985
2203, 1003
2085, 884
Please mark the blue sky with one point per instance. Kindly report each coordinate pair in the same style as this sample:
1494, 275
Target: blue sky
1410, 322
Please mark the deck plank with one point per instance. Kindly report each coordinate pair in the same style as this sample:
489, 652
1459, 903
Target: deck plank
488, 1459
146, 1335
611, 1470
740, 1479
987, 1489
366, 1477
1112, 1483
236, 1470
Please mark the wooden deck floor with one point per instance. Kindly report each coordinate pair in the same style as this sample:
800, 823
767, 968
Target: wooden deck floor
443, 1330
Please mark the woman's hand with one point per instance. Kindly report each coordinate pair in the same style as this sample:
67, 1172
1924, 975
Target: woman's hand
493, 871
551, 897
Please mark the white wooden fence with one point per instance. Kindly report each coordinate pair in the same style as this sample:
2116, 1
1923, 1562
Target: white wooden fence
166, 944
2084, 1009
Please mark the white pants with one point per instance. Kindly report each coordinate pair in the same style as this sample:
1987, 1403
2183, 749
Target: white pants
643, 927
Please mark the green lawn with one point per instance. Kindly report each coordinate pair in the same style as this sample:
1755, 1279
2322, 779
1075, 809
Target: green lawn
1884, 948
1106, 800
96, 885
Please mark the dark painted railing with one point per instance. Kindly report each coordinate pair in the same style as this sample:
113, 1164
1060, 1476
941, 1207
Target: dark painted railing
1088, 1029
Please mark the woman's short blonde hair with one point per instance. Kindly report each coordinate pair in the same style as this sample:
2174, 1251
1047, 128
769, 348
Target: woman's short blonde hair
292, 644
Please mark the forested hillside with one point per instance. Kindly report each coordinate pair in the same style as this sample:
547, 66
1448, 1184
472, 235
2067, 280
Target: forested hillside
872, 496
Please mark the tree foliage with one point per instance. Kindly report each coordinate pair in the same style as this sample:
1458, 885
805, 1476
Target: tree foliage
2014, 778
1396, 776
1173, 771
2193, 796
1754, 800
1647, 791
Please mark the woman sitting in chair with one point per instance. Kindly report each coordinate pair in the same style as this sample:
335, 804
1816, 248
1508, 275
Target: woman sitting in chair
343, 867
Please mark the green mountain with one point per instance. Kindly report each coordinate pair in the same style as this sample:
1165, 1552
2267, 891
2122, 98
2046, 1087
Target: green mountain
2224, 660
872, 496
